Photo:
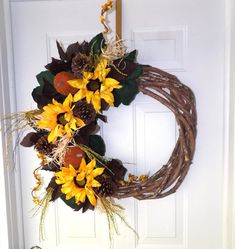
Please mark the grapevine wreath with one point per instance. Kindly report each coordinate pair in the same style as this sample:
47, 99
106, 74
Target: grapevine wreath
73, 93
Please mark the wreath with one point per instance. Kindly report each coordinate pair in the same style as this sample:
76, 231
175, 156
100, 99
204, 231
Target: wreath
73, 93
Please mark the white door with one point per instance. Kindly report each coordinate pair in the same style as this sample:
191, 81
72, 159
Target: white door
184, 37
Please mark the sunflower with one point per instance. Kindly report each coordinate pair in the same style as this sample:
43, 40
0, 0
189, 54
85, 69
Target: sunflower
96, 86
59, 119
80, 183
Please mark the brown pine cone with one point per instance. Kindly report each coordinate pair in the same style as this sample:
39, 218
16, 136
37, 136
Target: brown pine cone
43, 146
84, 111
80, 63
108, 187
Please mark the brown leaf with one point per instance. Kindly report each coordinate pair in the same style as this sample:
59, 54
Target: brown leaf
30, 139
102, 117
116, 170
61, 52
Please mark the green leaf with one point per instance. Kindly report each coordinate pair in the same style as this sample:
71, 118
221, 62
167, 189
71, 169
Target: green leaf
96, 44
117, 97
71, 202
97, 144
136, 74
37, 91
126, 94
129, 91
131, 56
45, 75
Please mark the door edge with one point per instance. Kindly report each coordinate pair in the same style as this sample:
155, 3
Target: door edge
229, 129
11, 175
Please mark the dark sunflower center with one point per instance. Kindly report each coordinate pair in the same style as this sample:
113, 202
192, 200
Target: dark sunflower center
61, 120
93, 85
79, 183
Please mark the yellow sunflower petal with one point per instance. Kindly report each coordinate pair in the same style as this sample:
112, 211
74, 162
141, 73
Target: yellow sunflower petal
91, 196
78, 194
71, 169
53, 135
77, 197
68, 116
54, 102
68, 187
108, 97
68, 101
83, 196
73, 124
80, 95
81, 176
102, 65
87, 76
89, 95
96, 101
110, 82
59, 181
95, 184
48, 109
90, 166
82, 166
103, 73
69, 196
45, 123
68, 130
77, 83
97, 172
79, 122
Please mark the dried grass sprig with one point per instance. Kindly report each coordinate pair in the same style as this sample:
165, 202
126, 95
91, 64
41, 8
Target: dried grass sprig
114, 50
112, 211
42, 207
91, 154
14, 126
58, 153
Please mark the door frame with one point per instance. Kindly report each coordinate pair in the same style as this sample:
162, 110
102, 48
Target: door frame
229, 126
12, 234
10, 190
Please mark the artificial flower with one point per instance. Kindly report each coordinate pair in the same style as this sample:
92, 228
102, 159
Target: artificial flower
79, 183
59, 119
95, 86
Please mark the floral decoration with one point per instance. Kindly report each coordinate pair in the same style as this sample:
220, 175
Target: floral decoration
79, 183
73, 93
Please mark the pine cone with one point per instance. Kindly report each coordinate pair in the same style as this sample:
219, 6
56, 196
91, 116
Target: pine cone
84, 111
108, 187
43, 146
80, 63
